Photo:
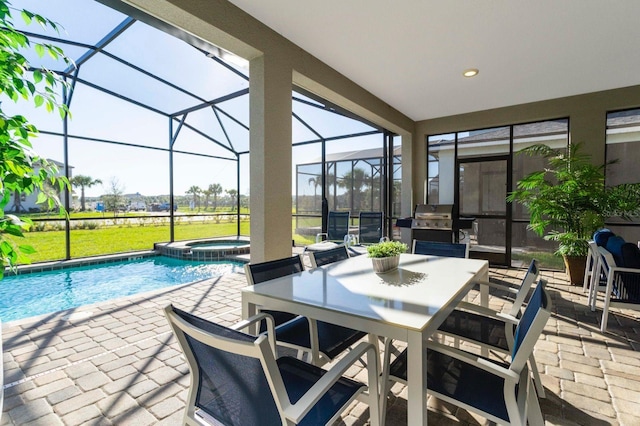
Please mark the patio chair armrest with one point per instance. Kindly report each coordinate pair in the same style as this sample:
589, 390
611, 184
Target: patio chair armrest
271, 334
297, 411
508, 287
319, 236
487, 312
615, 269
474, 360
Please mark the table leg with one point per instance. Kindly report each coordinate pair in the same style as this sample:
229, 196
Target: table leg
249, 310
484, 301
416, 380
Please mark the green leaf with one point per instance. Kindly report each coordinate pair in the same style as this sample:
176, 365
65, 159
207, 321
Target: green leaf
39, 49
38, 100
37, 76
26, 16
26, 249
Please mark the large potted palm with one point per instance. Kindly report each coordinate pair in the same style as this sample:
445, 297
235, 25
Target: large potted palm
568, 201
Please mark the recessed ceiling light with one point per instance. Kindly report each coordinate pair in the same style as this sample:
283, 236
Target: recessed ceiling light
471, 72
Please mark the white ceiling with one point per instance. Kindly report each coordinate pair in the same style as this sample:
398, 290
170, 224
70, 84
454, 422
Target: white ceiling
411, 53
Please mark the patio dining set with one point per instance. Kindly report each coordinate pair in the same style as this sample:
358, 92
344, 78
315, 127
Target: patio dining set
303, 329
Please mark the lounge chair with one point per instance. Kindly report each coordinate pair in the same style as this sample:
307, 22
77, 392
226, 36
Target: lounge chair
337, 229
370, 227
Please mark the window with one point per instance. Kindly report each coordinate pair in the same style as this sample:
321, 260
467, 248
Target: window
623, 147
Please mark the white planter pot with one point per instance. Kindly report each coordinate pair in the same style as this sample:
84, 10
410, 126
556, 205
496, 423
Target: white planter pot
385, 264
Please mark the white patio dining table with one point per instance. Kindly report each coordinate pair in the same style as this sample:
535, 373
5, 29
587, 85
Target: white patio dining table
406, 304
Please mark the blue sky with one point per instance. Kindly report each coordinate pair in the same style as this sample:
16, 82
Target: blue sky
98, 115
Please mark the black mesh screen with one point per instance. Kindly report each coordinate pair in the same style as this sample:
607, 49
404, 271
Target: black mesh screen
338, 226
434, 248
370, 227
266, 271
233, 388
329, 256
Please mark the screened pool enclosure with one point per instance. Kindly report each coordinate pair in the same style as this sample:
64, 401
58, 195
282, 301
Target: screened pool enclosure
157, 146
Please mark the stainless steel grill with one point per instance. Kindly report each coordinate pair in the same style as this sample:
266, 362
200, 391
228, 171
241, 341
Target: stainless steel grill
433, 222
433, 216
436, 222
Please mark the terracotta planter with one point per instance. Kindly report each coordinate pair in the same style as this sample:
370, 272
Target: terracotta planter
385, 264
574, 267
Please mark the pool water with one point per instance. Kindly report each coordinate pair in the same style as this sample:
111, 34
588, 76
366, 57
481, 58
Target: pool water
27, 295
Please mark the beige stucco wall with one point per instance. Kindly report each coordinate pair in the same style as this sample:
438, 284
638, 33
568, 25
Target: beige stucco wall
586, 113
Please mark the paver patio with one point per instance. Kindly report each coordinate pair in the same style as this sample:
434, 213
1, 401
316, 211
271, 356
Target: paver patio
117, 362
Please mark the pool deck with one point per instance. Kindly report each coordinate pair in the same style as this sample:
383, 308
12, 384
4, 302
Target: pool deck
117, 362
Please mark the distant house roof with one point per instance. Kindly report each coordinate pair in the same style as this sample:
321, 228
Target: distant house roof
362, 154
624, 118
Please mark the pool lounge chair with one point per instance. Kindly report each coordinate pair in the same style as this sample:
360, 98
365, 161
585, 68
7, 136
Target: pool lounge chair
337, 229
370, 227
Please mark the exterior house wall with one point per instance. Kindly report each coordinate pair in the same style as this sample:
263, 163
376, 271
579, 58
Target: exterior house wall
587, 123
26, 203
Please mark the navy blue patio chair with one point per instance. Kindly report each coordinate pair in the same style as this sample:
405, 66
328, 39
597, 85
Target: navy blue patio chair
325, 257
502, 392
264, 271
237, 380
337, 229
435, 248
486, 328
295, 331
370, 227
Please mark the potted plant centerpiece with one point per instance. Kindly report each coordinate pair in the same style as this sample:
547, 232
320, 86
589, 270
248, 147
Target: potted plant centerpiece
385, 256
568, 201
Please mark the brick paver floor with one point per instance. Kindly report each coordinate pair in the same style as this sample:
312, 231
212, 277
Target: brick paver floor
117, 362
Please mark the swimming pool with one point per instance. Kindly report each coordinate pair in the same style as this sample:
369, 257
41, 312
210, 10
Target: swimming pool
28, 295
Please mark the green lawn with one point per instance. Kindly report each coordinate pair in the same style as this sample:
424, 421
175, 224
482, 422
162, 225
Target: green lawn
118, 239
122, 238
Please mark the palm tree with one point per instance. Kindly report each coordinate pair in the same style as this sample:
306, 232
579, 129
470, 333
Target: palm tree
84, 182
216, 189
195, 190
316, 181
207, 193
354, 181
232, 193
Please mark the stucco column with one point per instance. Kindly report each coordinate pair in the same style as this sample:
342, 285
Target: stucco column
407, 197
270, 158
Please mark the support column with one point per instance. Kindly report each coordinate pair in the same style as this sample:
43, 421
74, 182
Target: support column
270, 158
407, 199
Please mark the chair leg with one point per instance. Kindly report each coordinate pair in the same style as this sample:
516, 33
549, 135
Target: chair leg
534, 414
385, 383
536, 377
605, 306
605, 318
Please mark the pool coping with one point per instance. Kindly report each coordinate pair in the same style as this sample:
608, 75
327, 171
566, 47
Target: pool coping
177, 250
81, 261
186, 250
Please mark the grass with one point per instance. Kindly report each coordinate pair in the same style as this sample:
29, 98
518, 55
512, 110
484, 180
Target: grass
119, 239
545, 259
50, 245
